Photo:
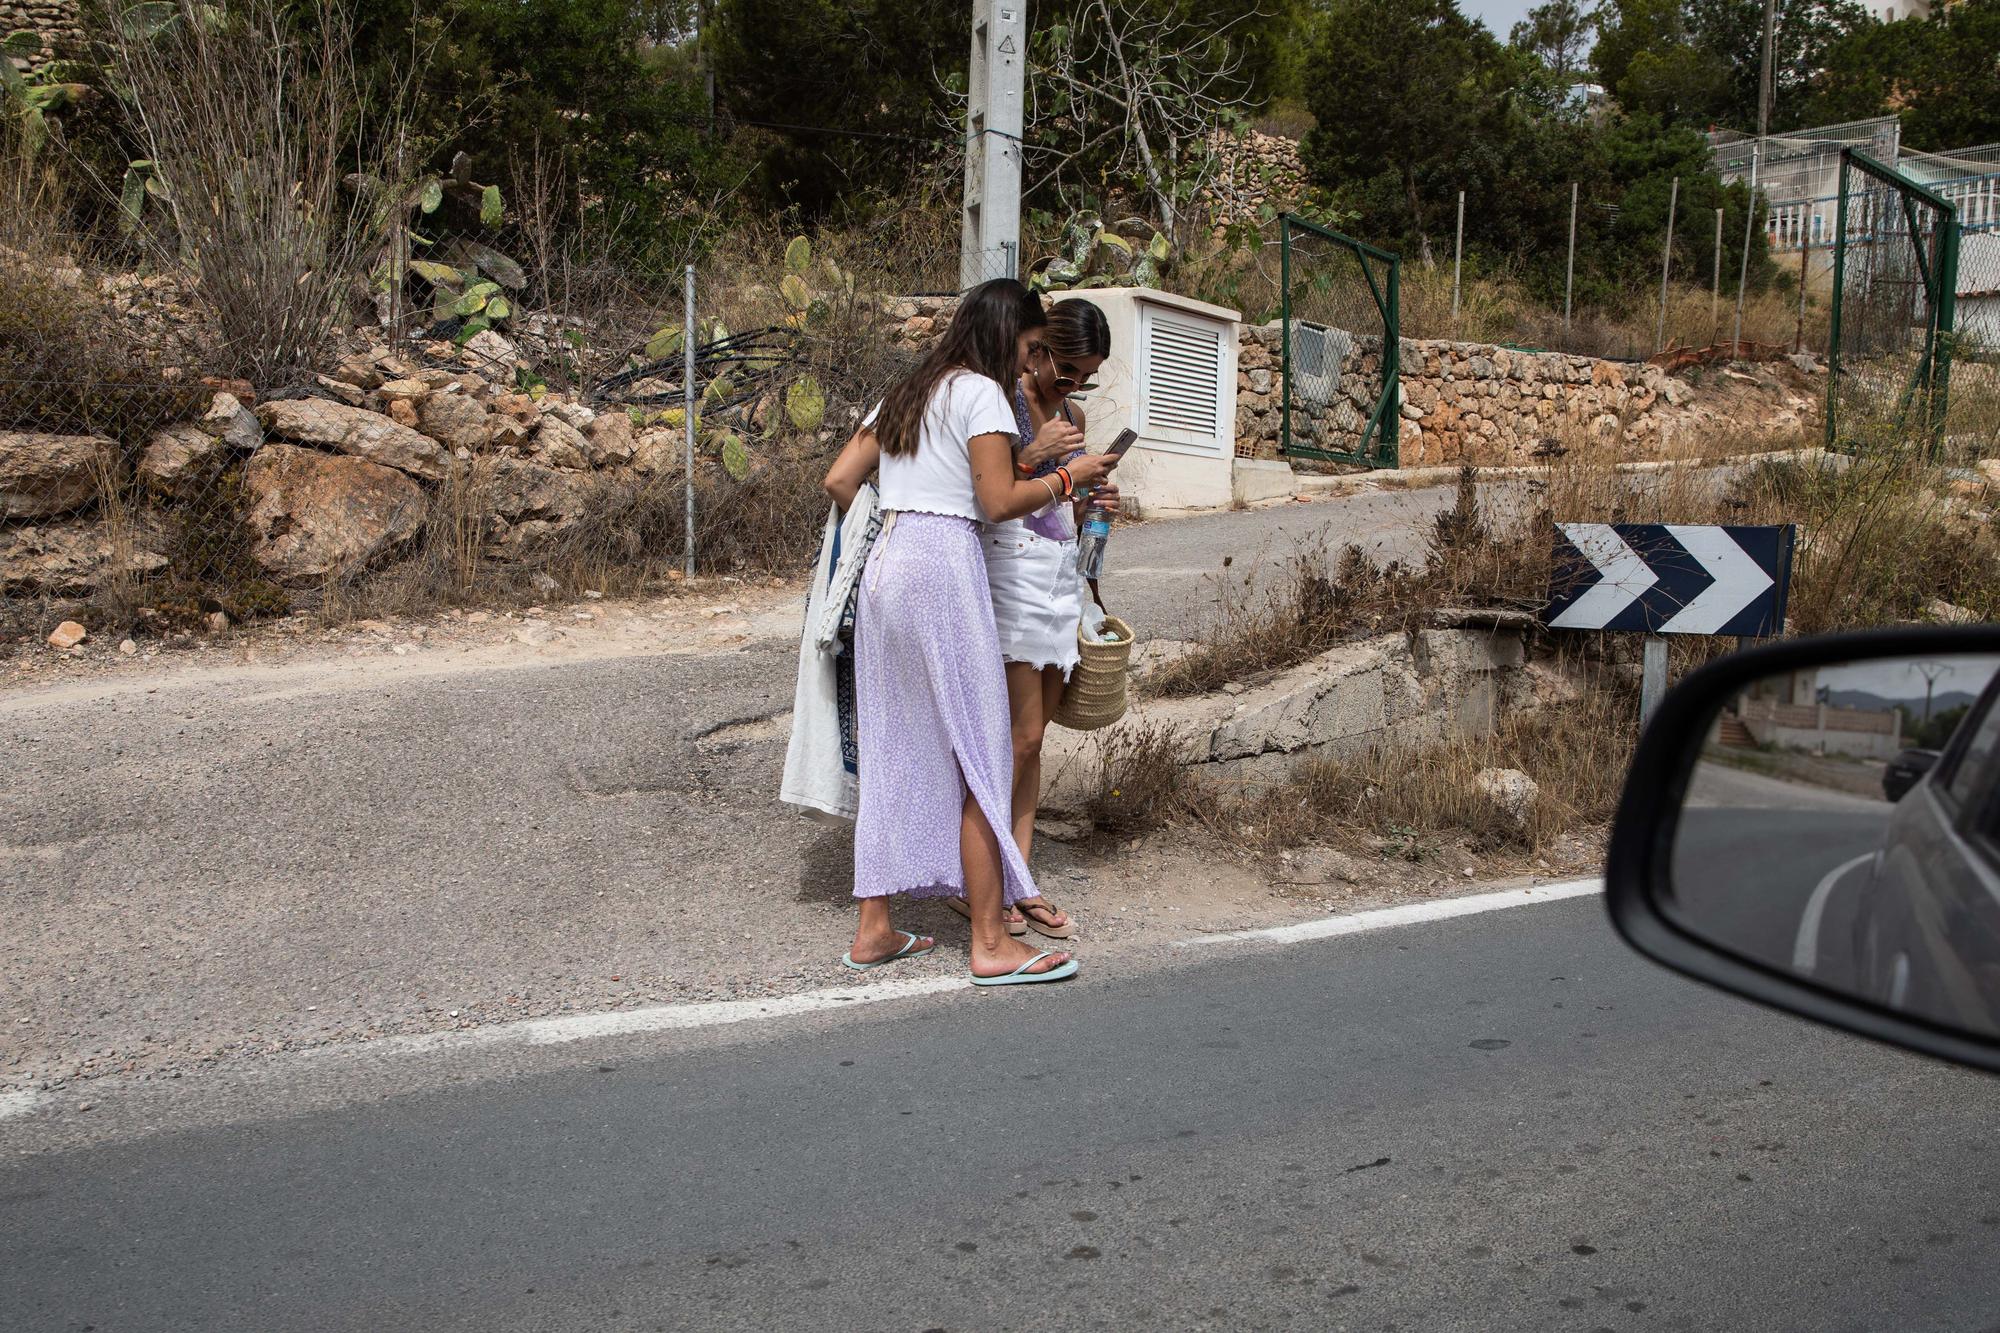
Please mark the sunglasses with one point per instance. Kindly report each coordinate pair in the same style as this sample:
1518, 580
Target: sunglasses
1068, 383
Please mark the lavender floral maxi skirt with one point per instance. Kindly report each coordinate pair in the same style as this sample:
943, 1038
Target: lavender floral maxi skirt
933, 720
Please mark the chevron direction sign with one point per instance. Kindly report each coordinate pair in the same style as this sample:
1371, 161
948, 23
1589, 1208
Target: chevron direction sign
1669, 578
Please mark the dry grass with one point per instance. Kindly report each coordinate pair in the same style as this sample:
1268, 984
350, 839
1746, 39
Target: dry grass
1401, 799
1576, 753
254, 116
1498, 309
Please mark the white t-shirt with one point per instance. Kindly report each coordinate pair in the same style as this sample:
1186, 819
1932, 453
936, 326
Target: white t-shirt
937, 478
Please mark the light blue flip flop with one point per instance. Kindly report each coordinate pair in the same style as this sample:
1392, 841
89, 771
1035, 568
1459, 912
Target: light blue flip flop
1021, 976
909, 950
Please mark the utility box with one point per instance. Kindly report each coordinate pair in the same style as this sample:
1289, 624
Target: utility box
1171, 377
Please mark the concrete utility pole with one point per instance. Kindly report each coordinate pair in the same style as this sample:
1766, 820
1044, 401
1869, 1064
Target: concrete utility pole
990, 240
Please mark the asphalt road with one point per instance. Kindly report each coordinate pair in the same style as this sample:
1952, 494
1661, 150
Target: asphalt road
1774, 869
1497, 1122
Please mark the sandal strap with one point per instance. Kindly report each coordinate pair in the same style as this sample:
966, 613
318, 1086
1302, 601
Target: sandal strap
1023, 968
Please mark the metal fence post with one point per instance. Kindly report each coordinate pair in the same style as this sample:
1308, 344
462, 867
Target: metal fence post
687, 399
1834, 314
1285, 334
1457, 262
1569, 279
1749, 230
1666, 266
1715, 295
1805, 272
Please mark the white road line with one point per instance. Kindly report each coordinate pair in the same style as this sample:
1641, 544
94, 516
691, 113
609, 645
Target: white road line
715, 1013
654, 1018
1805, 949
1410, 914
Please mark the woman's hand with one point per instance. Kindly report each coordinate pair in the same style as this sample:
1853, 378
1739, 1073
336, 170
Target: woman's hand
1091, 469
1102, 496
1056, 439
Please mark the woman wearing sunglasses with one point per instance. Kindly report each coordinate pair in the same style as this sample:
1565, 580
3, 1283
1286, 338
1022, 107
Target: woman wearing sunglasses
1031, 566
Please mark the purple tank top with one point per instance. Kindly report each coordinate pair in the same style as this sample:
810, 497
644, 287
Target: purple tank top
1052, 522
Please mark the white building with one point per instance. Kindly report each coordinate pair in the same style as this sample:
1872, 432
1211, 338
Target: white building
1979, 292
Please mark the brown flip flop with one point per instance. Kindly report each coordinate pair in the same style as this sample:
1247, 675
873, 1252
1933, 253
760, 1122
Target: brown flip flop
1066, 931
1014, 928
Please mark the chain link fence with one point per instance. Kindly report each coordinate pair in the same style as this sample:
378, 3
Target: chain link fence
1341, 348
1896, 248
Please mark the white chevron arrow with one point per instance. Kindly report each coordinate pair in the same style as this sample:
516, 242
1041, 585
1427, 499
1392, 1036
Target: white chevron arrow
1739, 581
1624, 577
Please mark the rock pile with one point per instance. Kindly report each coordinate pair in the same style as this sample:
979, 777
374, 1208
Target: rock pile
326, 484
1257, 170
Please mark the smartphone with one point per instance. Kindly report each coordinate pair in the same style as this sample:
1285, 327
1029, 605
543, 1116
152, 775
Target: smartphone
1126, 439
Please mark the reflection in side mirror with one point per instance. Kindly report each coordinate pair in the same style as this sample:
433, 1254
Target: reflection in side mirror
1818, 824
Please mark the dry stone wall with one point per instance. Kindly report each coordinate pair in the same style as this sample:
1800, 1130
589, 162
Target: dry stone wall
55, 21
1488, 405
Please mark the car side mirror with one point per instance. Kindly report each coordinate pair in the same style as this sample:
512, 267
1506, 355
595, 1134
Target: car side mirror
1815, 825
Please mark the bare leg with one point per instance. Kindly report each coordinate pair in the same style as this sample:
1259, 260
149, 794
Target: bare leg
1032, 697
874, 938
1028, 710
994, 952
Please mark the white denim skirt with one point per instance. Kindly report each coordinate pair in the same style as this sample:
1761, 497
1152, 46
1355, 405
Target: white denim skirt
1037, 595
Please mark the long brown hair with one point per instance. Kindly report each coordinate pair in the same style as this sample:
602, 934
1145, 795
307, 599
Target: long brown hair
984, 337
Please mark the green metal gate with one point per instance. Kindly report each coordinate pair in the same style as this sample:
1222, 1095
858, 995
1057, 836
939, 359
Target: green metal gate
1342, 347
1895, 275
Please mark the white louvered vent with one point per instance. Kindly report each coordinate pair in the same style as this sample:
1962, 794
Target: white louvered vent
1182, 388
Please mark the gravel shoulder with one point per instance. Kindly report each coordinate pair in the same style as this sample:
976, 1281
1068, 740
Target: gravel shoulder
303, 837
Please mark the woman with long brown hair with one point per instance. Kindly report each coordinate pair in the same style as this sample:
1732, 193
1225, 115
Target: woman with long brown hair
936, 758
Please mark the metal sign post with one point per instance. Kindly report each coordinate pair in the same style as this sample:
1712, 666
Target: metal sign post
1653, 677
687, 400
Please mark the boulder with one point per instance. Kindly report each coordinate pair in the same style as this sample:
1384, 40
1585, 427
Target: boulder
179, 460
405, 391
67, 635
45, 475
232, 423
532, 504
1511, 792
341, 391
612, 439
456, 420
558, 444
403, 413
314, 515
659, 452
351, 430
358, 370
70, 559
488, 348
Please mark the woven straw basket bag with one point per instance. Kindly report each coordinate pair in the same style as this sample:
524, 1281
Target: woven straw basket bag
1095, 696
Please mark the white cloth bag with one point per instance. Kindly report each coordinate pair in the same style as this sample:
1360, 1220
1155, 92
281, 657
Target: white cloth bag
816, 779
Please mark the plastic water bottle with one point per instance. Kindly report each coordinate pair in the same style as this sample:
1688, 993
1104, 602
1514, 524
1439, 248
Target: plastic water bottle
1091, 541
